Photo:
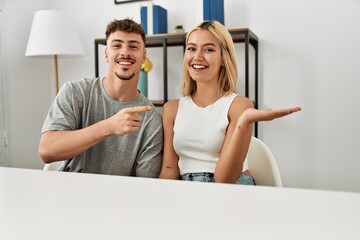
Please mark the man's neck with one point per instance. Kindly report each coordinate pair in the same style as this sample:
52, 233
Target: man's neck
120, 90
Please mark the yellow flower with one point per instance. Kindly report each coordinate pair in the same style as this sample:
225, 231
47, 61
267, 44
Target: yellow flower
147, 66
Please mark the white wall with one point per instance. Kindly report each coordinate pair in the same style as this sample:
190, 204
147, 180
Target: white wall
3, 152
309, 56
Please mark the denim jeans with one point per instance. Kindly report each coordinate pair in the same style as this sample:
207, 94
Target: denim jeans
244, 178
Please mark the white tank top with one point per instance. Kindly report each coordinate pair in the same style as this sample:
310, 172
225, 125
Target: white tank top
199, 134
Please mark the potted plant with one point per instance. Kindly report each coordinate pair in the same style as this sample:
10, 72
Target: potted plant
179, 29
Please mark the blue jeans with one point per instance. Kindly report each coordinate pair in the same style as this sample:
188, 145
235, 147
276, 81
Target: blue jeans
244, 178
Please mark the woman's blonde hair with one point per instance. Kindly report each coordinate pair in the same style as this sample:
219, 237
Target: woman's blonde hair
228, 73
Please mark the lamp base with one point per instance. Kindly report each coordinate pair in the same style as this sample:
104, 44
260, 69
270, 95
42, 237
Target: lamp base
56, 74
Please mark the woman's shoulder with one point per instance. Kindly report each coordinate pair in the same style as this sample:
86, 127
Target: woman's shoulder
239, 105
171, 105
170, 109
242, 102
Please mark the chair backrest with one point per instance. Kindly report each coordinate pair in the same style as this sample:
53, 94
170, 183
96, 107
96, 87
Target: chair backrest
54, 166
262, 164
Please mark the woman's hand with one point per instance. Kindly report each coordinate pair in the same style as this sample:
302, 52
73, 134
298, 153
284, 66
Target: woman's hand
252, 115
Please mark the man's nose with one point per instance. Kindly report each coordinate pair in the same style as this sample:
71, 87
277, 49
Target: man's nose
124, 51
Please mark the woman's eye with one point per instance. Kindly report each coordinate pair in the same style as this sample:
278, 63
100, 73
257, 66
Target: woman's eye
191, 49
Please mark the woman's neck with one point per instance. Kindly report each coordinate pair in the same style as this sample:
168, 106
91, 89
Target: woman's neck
204, 97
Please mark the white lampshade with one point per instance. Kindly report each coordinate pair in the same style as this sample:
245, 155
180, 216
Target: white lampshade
53, 34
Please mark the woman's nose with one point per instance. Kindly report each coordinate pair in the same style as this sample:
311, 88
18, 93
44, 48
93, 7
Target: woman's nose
199, 55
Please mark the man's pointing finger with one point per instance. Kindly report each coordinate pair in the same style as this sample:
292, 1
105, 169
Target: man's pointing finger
138, 109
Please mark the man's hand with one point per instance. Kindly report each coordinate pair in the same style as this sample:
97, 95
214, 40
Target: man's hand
127, 120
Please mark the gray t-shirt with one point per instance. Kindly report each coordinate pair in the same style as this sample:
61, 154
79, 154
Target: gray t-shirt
82, 103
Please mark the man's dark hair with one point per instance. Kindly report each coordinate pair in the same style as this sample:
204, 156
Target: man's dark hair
125, 25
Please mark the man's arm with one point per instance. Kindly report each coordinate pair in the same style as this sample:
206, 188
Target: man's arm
66, 144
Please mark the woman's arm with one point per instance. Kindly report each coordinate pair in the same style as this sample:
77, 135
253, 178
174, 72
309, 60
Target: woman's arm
170, 168
236, 144
238, 137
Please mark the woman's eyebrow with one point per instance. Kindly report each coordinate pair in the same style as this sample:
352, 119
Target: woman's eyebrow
205, 44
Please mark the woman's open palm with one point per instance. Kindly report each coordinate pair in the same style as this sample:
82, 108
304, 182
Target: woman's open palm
252, 115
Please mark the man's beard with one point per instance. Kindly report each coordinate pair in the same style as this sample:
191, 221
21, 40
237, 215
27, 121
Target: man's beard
123, 77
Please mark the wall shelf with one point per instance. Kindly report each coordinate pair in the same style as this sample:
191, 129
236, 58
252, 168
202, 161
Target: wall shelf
240, 35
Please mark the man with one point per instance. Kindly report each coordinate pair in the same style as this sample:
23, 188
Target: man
105, 125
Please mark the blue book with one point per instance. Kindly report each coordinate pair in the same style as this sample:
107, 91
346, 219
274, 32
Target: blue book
154, 20
206, 7
160, 20
214, 10
217, 10
143, 15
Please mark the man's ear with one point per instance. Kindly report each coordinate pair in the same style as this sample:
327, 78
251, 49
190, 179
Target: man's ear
144, 56
106, 54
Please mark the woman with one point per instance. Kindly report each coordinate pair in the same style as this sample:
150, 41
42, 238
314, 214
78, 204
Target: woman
207, 132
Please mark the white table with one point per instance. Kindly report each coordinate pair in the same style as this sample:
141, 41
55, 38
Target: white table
36, 204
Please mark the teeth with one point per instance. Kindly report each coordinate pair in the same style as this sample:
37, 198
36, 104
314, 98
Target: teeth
125, 63
198, 66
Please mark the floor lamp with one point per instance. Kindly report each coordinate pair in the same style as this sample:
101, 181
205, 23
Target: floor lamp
52, 34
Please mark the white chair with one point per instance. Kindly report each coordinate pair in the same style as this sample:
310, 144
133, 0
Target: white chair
54, 166
262, 164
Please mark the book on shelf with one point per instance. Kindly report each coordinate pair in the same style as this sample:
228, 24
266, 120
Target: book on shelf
214, 10
154, 19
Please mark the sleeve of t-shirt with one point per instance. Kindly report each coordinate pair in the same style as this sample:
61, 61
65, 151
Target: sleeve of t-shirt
62, 113
150, 159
